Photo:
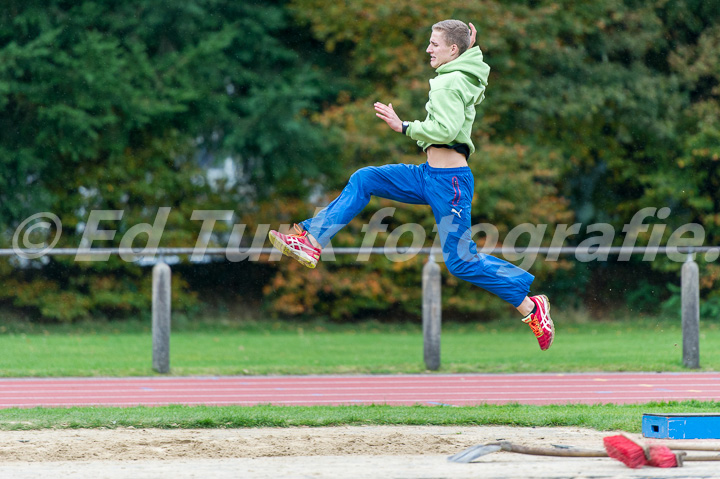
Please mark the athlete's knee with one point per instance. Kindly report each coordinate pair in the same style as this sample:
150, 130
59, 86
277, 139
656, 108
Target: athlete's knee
362, 178
363, 174
458, 267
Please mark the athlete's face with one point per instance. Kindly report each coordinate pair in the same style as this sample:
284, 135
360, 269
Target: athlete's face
440, 52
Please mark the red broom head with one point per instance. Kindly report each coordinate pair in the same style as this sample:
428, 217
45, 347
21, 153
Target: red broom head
662, 456
625, 450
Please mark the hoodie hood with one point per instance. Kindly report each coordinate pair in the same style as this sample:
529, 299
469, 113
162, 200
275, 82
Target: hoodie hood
473, 68
454, 94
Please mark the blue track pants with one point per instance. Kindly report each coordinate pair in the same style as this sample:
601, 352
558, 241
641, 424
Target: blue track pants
449, 192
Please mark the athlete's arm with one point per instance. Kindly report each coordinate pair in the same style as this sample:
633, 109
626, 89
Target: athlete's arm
388, 115
444, 123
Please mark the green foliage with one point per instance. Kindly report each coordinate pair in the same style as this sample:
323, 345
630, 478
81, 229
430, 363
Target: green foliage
84, 83
709, 308
644, 298
122, 106
594, 110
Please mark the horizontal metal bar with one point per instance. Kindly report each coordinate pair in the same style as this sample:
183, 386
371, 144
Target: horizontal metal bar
170, 251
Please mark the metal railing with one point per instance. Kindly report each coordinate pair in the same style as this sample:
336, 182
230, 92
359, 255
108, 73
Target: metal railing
431, 285
183, 251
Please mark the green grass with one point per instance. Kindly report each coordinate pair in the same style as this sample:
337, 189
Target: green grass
599, 417
230, 348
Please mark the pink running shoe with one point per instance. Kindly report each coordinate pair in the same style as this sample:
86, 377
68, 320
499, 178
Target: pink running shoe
540, 322
296, 246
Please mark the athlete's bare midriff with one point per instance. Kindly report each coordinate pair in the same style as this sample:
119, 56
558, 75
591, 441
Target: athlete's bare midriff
445, 158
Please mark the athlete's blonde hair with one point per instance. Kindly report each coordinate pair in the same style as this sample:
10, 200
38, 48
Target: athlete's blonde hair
455, 32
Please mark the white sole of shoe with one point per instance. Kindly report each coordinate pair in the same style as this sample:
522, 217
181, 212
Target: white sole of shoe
299, 256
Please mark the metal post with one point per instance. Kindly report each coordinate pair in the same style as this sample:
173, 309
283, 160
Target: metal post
161, 305
690, 296
432, 313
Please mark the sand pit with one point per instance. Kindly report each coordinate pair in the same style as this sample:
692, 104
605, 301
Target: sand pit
353, 451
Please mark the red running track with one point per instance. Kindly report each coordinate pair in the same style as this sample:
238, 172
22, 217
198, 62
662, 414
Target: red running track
454, 390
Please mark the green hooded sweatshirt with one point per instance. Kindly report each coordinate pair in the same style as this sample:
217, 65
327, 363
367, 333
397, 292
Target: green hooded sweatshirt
454, 92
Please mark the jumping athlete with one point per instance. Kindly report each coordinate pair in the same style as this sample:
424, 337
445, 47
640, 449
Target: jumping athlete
444, 182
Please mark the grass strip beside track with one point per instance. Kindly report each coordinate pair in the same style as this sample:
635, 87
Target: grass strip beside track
599, 417
118, 349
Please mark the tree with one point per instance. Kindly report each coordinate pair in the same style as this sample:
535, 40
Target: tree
594, 110
121, 106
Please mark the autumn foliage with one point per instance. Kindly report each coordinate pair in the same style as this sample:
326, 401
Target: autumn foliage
594, 110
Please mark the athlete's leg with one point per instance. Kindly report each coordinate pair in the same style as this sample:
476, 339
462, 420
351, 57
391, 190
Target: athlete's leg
449, 193
397, 182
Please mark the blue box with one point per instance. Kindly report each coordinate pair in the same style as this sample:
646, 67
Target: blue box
681, 426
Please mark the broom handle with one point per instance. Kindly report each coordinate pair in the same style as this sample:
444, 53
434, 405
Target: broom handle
691, 447
675, 446
574, 452
701, 458
545, 451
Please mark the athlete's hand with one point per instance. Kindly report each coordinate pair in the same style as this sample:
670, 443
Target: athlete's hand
473, 33
386, 113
